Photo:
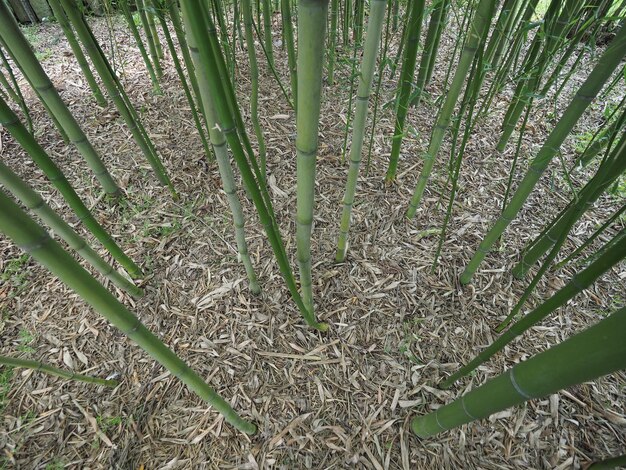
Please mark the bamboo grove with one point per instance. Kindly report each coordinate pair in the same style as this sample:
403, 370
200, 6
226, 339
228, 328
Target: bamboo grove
517, 45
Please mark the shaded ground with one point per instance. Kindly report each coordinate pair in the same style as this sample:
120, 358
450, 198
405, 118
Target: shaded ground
340, 400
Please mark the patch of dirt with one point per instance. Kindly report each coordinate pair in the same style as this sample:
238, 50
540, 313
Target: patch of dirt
338, 400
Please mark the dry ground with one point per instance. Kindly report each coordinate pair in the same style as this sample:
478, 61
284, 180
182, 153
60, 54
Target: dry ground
337, 400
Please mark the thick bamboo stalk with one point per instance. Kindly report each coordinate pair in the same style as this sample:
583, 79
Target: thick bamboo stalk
11, 122
474, 41
597, 351
48, 369
34, 240
372, 41
312, 15
33, 201
24, 56
605, 66
577, 284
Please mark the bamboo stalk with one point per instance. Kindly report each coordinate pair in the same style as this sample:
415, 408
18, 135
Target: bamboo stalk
413, 29
226, 172
372, 41
581, 101
48, 369
312, 15
34, 240
474, 41
21, 52
116, 92
78, 53
577, 284
254, 78
11, 122
597, 351
33, 201
201, 27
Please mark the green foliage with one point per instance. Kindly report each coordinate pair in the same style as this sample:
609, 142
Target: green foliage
15, 275
25, 338
6, 374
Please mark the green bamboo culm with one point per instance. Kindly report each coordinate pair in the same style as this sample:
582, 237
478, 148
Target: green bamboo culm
33, 201
213, 66
332, 36
226, 172
431, 46
474, 41
591, 192
13, 89
33, 239
150, 39
602, 71
413, 29
123, 5
21, 52
48, 369
372, 41
10, 121
597, 351
159, 9
246, 6
116, 92
579, 282
285, 9
267, 31
312, 15
78, 53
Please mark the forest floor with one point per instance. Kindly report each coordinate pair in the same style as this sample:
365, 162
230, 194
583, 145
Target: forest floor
343, 399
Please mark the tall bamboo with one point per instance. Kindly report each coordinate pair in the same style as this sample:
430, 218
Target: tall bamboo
21, 52
590, 193
474, 41
12, 123
312, 16
246, 6
285, 9
123, 5
332, 35
34, 240
413, 29
150, 39
372, 41
33, 201
213, 65
597, 351
577, 284
267, 31
78, 53
226, 172
116, 92
605, 66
